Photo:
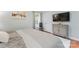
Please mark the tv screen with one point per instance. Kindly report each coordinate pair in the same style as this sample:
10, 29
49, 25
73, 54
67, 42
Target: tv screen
61, 17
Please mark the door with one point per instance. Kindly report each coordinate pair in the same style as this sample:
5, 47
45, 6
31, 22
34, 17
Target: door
37, 20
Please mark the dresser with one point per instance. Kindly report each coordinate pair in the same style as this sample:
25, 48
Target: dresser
61, 29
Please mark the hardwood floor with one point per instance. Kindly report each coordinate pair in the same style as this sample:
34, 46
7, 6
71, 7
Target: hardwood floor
74, 44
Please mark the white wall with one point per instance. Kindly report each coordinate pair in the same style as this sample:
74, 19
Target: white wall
9, 23
47, 21
73, 24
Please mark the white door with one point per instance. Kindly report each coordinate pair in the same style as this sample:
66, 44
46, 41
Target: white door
37, 19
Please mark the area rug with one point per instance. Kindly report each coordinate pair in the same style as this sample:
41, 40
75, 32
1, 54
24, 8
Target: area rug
15, 41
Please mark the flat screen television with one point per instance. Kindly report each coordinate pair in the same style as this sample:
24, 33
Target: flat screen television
61, 17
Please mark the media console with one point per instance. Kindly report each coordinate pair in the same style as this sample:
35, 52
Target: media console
61, 30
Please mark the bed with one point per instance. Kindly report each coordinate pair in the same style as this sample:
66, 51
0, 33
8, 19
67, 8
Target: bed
38, 39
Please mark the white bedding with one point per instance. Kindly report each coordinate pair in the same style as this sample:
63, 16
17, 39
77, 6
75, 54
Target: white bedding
37, 39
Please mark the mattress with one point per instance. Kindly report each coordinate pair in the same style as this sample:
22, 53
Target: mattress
38, 39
